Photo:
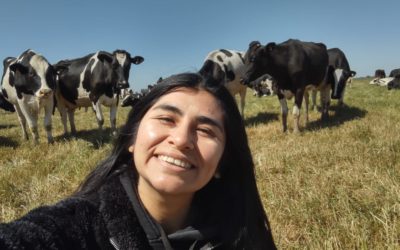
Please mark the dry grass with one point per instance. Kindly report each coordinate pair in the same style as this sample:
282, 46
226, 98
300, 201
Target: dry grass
336, 185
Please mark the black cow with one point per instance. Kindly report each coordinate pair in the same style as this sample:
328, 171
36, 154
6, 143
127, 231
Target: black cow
338, 74
380, 73
395, 83
28, 83
394, 73
296, 66
4, 104
93, 80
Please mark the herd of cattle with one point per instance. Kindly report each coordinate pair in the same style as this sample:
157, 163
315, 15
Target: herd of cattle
292, 68
391, 82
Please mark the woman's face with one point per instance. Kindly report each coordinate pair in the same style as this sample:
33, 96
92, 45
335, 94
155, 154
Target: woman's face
179, 142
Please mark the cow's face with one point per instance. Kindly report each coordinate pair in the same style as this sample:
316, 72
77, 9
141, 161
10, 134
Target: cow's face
35, 77
213, 72
256, 61
264, 86
121, 65
340, 77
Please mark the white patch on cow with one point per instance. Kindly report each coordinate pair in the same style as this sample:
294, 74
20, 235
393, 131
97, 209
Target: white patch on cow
121, 58
296, 110
381, 81
82, 93
40, 65
337, 75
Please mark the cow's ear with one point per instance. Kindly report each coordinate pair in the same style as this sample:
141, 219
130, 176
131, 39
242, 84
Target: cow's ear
7, 61
105, 56
60, 68
137, 60
254, 43
19, 67
270, 46
352, 73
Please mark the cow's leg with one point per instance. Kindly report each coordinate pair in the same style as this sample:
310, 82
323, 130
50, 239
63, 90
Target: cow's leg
71, 117
307, 102
340, 102
99, 114
284, 111
22, 121
325, 102
296, 109
63, 113
32, 117
314, 99
113, 118
242, 101
48, 110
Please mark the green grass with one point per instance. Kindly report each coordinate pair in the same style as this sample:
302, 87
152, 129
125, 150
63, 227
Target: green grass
336, 185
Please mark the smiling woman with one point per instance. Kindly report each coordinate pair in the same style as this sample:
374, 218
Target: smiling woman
180, 176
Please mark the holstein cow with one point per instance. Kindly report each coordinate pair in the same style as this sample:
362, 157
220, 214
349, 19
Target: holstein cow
395, 83
93, 80
28, 83
4, 104
231, 63
394, 73
296, 66
338, 74
381, 81
265, 85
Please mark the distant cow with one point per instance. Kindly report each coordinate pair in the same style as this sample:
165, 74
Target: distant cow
265, 85
28, 83
4, 104
381, 81
395, 83
380, 73
394, 73
231, 63
93, 80
296, 66
338, 73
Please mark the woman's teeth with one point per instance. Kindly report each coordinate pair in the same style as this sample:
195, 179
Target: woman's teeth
176, 162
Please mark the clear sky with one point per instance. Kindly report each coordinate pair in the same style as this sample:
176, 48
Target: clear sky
175, 36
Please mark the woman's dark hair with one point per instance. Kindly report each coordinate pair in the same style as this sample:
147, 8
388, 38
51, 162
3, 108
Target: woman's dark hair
232, 202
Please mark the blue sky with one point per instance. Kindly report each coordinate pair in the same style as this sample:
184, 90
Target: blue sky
175, 36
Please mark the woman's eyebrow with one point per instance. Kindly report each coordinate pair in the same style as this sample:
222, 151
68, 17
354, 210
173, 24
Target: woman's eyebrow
200, 119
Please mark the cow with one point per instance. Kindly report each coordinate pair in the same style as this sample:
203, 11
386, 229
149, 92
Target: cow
4, 104
395, 83
28, 82
93, 80
296, 66
231, 64
394, 73
338, 74
381, 81
265, 85
380, 73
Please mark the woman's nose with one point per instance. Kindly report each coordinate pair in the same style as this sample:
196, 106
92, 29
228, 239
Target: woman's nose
182, 137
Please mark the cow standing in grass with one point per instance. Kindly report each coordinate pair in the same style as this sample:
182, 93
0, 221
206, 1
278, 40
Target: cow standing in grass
28, 83
296, 67
93, 80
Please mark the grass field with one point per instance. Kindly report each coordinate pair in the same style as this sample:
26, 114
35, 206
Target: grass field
336, 185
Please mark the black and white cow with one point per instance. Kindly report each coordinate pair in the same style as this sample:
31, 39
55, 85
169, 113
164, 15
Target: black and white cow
338, 74
394, 73
394, 83
6, 105
265, 85
28, 83
296, 66
231, 63
93, 80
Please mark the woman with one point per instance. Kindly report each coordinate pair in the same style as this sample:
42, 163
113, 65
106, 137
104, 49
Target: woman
180, 176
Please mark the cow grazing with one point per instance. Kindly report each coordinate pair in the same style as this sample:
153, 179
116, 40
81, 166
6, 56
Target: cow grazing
394, 73
380, 73
338, 74
93, 80
265, 85
395, 83
28, 83
381, 81
4, 104
231, 64
296, 66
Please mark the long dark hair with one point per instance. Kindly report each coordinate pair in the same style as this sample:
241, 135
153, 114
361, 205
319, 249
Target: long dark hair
232, 202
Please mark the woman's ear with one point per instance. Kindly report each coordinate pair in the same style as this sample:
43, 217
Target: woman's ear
131, 148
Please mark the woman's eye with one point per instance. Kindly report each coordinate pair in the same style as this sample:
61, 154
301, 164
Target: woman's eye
206, 131
166, 120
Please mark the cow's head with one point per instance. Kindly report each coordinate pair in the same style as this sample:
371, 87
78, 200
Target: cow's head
32, 74
213, 73
338, 79
257, 60
264, 86
131, 99
120, 64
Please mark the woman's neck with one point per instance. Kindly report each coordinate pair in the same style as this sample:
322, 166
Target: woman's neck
170, 211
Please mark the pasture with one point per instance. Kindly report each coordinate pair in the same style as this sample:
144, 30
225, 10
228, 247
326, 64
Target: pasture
336, 185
